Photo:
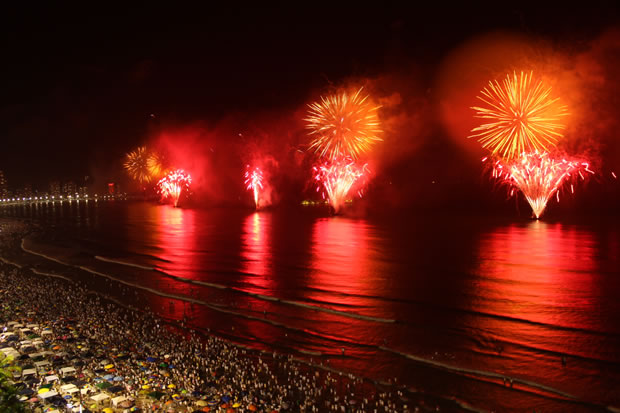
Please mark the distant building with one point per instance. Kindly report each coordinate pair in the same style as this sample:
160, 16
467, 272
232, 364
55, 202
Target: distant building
69, 188
83, 190
55, 189
4, 187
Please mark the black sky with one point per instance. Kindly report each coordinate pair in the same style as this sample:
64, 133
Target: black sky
80, 82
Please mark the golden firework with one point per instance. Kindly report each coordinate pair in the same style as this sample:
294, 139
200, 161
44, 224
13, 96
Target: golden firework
136, 165
155, 165
343, 125
522, 117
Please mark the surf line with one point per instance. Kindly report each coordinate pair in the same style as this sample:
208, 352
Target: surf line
4, 260
194, 300
255, 295
483, 373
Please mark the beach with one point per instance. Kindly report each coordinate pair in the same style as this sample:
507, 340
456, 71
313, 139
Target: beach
78, 347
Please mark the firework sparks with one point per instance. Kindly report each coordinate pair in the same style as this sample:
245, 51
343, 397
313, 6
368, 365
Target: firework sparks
521, 117
136, 165
171, 186
343, 125
254, 181
336, 178
539, 177
155, 165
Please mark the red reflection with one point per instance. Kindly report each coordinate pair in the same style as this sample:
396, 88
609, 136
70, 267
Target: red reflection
539, 272
175, 232
343, 263
256, 251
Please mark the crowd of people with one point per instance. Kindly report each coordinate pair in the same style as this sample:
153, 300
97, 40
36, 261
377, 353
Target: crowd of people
159, 365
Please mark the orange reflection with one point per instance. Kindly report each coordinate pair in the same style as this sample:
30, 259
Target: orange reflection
256, 254
540, 272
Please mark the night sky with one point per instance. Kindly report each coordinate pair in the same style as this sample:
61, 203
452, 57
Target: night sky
82, 85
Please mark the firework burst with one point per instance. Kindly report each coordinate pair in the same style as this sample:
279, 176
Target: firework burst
336, 178
172, 185
136, 165
155, 165
539, 177
521, 117
254, 181
343, 125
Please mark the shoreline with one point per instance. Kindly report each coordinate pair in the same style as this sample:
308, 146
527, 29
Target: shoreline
205, 366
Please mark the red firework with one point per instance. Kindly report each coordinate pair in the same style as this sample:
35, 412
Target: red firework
254, 181
336, 178
171, 186
539, 176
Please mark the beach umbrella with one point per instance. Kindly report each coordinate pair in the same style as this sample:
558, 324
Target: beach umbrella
206, 409
107, 410
201, 403
43, 390
108, 366
146, 386
26, 391
176, 397
118, 378
151, 359
103, 385
172, 386
108, 377
155, 395
115, 389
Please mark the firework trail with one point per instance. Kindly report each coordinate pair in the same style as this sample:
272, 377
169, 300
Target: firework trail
136, 165
521, 117
254, 181
336, 178
539, 177
171, 186
343, 125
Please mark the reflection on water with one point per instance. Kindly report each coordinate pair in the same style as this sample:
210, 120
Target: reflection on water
540, 272
175, 232
256, 255
343, 261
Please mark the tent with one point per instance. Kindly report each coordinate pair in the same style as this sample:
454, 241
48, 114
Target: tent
67, 370
119, 399
48, 394
99, 397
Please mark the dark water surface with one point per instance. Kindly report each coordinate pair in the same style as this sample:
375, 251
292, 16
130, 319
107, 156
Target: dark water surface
455, 306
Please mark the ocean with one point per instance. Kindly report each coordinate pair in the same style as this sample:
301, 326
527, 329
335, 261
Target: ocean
498, 313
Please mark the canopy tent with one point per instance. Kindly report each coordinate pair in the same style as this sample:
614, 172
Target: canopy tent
67, 387
67, 370
99, 397
119, 399
51, 378
48, 394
